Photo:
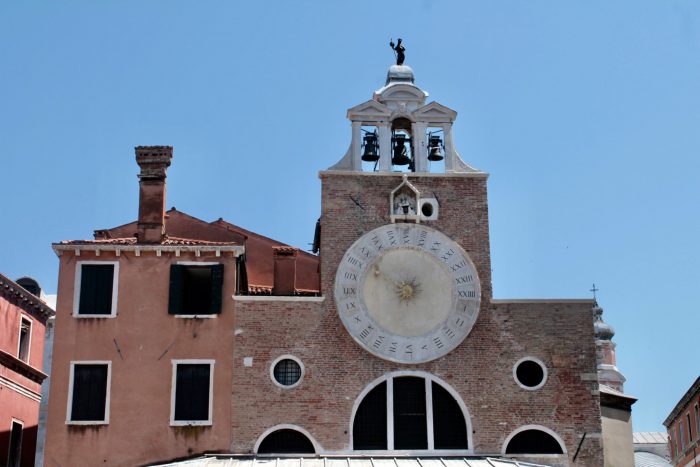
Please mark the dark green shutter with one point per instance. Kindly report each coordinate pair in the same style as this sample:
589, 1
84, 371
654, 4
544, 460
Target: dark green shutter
217, 282
176, 276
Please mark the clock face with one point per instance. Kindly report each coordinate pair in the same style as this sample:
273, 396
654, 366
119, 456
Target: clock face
407, 293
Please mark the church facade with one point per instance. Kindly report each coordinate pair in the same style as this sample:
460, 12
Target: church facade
177, 337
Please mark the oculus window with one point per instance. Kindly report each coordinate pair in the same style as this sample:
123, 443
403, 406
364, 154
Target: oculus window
286, 441
287, 371
88, 399
417, 406
195, 289
530, 373
96, 289
192, 392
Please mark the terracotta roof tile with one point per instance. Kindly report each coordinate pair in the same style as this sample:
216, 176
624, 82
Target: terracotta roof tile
132, 241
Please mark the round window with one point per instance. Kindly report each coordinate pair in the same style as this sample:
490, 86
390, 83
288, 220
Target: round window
530, 373
287, 371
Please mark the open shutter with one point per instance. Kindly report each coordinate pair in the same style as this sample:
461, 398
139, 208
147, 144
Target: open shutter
217, 282
176, 283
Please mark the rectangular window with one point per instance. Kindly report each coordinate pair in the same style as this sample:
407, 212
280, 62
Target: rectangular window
192, 391
195, 289
96, 289
690, 431
681, 435
697, 420
88, 395
14, 457
25, 336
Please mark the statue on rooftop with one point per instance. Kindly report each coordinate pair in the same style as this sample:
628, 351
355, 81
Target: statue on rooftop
399, 50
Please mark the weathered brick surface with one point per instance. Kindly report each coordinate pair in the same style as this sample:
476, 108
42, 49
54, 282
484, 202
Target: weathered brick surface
480, 369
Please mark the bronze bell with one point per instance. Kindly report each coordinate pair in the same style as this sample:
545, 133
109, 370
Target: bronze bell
434, 152
400, 154
370, 153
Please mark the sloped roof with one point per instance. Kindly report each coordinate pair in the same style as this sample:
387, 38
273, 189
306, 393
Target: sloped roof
27, 300
182, 227
649, 437
235, 461
648, 459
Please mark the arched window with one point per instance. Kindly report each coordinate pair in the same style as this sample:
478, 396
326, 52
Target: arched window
533, 441
286, 441
407, 412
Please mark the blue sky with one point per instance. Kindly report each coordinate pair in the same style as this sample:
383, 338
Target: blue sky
586, 115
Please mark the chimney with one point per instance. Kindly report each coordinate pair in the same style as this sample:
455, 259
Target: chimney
285, 270
154, 162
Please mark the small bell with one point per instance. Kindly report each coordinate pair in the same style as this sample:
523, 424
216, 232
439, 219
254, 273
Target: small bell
370, 144
400, 154
434, 152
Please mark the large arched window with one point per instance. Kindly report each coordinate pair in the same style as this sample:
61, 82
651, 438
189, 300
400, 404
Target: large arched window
533, 440
409, 412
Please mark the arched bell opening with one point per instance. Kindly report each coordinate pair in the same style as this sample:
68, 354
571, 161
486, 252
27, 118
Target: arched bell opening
370, 148
435, 142
402, 149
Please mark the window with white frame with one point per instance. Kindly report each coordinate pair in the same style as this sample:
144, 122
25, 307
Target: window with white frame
690, 431
192, 392
25, 338
88, 394
409, 413
96, 289
195, 288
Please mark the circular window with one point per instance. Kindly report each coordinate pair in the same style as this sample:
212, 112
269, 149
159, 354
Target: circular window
427, 209
530, 373
287, 371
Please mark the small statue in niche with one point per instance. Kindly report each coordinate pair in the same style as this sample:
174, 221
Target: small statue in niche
399, 50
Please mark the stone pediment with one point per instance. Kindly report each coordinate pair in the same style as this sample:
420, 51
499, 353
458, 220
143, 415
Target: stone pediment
370, 110
435, 112
401, 92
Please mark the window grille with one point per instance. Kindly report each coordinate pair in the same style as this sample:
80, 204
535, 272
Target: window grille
287, 372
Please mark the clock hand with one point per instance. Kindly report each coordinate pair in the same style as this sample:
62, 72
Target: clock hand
378, 272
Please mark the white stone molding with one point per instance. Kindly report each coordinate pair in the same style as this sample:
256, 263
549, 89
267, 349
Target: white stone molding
78, 282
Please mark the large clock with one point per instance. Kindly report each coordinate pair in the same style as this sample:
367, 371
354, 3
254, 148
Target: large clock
407, 293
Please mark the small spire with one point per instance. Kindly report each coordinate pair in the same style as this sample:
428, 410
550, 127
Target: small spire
594, 290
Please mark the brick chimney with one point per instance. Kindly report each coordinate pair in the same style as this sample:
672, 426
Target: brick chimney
154, 162
285, 270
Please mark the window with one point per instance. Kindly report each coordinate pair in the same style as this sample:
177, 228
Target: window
88, 395
14, 456
192, 390
25, 336
697, 420
690, 431
286, 441
681, 438
195, 289
287, 371
533, 441
402, 412
96, 289
530, 373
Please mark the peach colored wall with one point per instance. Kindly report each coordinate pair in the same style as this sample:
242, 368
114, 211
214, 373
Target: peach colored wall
9, 337
13, 404
140, 342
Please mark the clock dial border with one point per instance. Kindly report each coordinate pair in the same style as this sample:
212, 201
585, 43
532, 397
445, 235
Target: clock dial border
444, 337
